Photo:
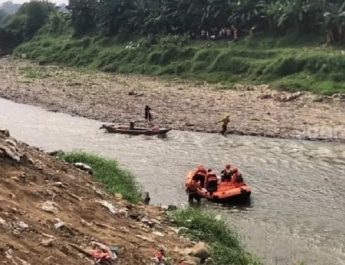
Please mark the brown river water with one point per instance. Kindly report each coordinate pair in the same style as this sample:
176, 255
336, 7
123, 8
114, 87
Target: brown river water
297, 210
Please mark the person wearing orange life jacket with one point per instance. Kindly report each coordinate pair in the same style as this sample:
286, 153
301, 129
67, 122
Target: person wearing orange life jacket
211, 181
191, 189
226, 173
197, 181
234, 174
237, 178
200, 175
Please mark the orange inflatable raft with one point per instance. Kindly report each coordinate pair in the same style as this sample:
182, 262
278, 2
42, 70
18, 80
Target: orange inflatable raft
223, 191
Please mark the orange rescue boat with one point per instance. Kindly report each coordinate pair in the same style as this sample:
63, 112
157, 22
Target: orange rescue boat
227, 191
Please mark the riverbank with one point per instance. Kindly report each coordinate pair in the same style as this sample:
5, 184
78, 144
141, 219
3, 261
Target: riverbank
289, 63
52, 212
176, 103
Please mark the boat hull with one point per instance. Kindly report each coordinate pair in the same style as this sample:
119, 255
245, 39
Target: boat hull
226, 192
136, 131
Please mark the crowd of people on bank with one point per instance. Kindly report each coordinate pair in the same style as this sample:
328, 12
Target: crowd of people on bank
225, 33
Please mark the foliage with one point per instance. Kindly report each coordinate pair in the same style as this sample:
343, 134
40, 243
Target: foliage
36, 14
191, 16
24, 24
8, 41
225, 246
108, 173
83, 15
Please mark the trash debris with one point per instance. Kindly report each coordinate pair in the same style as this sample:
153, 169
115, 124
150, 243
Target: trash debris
59, 224
123, 211
103, 254
47, 242
181, 230
49, 207
159, 258
157, 233
84, 167
108, 205
9, 152
145, 238
21, 225
2, 221
147, 222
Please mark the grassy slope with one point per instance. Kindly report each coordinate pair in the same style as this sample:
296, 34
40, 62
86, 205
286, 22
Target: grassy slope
284, 63
107, 172
225, 247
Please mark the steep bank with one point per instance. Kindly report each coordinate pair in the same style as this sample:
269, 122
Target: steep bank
51, 211
183, 105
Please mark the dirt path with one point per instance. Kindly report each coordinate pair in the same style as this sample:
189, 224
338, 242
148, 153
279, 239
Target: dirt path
182, 105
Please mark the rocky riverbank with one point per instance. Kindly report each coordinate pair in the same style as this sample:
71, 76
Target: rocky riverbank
51, 212
179, 104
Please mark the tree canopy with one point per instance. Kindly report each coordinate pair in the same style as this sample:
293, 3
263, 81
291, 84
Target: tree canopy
23, 25
190, 16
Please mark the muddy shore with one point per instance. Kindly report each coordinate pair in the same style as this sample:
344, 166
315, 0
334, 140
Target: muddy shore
178, 104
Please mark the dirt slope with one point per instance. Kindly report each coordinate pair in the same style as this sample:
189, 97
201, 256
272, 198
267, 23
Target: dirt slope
49, 209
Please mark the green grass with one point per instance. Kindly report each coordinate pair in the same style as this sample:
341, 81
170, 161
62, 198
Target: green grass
285, 63
107, 172
224, 243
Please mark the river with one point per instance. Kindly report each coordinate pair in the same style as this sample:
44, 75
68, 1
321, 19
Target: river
297, 211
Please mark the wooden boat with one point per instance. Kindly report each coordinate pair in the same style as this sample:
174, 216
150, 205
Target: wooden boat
225, 191
134, 131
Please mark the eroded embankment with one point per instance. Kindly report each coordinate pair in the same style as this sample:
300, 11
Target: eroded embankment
52, 213
183, 105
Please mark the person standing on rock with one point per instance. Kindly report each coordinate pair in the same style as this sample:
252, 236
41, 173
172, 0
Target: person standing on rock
225, 121
148, 115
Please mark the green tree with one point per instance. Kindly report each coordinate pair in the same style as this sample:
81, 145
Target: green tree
83, 15
37, 14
